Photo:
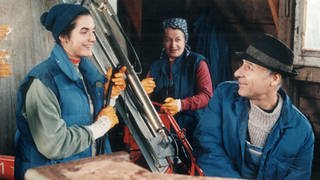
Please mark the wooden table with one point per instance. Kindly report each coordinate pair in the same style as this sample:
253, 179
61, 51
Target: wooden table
114, 166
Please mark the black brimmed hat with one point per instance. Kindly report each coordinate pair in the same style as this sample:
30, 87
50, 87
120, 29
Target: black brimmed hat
270, 53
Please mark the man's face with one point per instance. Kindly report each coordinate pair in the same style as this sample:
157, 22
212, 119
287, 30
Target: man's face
254, 81
174, 43
82, 38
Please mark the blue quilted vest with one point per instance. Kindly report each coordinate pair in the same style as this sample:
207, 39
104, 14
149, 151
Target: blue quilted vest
182, 85
58, 73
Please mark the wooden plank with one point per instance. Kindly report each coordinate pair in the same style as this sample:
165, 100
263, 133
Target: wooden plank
113, 166
310, 74
273, 4
99, 166
286, 16
252, 11
310, 107
309, 90
133, 10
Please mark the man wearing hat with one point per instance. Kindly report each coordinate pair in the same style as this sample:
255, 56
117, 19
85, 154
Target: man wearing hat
251, 129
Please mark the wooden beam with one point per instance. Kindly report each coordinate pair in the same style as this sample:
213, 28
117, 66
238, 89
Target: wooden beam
286, 18
310, 74
274, 6
133, 8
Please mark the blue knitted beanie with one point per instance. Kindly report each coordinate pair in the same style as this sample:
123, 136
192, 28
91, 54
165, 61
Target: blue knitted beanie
60, 16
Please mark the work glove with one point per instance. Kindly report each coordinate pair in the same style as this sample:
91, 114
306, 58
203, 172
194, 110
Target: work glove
110, 113
171, 106
118, 79
106, 120
119, 82
148, 85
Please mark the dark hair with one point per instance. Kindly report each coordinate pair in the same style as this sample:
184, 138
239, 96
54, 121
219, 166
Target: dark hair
67, 31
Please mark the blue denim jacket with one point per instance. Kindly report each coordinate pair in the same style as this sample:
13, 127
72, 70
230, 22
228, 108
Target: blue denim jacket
220, 139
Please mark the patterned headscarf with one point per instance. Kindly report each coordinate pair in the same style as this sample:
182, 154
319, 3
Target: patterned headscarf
177, 23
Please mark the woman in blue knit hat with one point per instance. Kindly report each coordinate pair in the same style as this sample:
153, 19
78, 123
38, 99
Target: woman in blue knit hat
180, 79
60, 110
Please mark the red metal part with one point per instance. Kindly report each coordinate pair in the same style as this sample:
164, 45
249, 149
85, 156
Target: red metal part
132, 146
6, 167
194, 168
170, 123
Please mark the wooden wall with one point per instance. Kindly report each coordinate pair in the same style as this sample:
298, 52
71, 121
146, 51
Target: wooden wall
242, 21
27, 44
307, 98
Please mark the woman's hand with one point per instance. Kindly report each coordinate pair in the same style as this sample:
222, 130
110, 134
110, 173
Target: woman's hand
148, 85
118, 80
171, 106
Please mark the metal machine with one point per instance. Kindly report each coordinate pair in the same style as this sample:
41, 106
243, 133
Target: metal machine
158, 147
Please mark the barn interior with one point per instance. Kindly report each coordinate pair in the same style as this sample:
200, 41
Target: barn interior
228, 26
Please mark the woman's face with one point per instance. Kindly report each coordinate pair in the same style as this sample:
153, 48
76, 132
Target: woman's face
81, 39
174, 43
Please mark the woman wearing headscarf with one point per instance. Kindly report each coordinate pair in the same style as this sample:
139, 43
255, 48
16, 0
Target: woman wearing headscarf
180, 79
60, 104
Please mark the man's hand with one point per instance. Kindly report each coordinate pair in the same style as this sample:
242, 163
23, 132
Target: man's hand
171, 106
148, 85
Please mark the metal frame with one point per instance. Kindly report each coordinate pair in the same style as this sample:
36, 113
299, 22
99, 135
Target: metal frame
138, 113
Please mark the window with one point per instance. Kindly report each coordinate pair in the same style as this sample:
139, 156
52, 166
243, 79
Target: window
307, 33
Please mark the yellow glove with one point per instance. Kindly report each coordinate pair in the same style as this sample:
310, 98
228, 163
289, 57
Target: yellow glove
110, 113
148, 85
171, 106
106, 120
119, 82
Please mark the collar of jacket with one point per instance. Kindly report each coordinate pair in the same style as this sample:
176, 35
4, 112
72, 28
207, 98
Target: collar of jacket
242, 106
90, 71
62, 60
283, 122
